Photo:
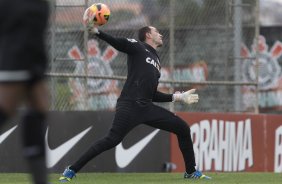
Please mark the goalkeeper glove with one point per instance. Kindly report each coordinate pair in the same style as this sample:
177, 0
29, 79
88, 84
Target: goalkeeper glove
88, 21
93, 30
188, 97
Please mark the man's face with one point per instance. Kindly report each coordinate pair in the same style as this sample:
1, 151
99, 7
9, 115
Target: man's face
157, 38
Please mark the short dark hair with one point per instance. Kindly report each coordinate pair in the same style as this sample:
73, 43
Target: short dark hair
142, 33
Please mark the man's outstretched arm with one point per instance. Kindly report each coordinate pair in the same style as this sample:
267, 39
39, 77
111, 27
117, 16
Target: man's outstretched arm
121, 44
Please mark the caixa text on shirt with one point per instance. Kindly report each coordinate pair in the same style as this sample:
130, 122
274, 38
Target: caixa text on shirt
153, 62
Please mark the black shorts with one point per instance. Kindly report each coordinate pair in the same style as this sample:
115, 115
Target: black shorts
131, 113
23, 54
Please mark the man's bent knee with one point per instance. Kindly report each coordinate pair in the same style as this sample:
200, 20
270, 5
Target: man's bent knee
39, 97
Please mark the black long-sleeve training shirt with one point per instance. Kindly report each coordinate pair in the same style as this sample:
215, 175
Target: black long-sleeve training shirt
143, 69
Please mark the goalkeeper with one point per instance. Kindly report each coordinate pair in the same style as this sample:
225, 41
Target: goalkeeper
135, 105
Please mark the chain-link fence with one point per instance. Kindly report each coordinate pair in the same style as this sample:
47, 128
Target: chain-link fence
206, 46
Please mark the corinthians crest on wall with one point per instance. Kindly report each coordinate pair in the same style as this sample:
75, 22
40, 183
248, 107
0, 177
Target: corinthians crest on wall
97, 94
269, 76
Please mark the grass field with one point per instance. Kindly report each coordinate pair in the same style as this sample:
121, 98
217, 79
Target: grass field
152, 178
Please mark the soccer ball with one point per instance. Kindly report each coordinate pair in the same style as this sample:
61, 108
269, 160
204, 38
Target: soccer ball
96, 15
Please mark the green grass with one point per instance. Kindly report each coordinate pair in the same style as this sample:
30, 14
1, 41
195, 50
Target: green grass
152, 178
